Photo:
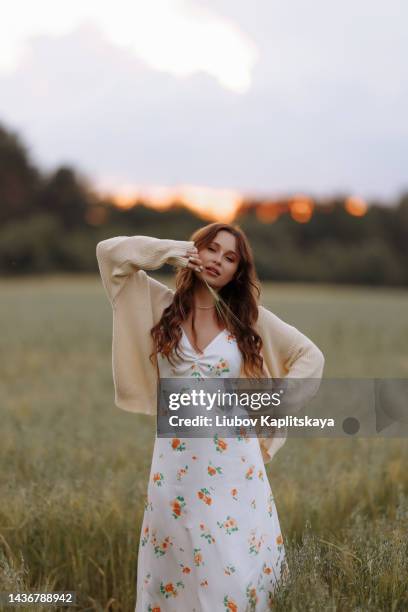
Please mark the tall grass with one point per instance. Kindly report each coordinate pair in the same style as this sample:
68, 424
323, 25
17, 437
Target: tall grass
75, 468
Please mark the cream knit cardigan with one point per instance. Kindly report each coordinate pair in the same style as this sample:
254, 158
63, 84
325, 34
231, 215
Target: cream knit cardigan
138, 301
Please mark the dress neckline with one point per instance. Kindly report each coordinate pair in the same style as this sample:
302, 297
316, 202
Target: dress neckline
208, 345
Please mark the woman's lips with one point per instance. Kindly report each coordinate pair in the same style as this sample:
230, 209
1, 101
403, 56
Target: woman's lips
212, 272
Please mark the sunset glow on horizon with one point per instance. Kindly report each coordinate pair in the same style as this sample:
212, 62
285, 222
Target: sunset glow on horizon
301, 208
356, 206
222, 205
210, 203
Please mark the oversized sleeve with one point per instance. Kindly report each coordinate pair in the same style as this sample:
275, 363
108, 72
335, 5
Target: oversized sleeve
301, 359
121, 256
304, 359
304, 365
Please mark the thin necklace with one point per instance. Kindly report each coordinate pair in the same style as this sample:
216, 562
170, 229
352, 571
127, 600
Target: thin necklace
206, 307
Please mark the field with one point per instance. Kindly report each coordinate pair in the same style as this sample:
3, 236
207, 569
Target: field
75, 468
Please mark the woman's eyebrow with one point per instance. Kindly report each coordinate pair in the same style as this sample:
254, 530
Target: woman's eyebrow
218, 244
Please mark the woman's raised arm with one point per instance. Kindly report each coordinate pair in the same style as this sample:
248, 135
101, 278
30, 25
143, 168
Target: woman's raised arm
121, 256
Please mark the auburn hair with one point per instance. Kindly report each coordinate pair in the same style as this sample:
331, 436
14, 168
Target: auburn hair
241, 295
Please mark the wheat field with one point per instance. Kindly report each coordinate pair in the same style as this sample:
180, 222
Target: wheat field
74, 467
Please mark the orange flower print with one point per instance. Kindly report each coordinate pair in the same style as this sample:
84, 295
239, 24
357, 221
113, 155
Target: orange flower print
182, 472
234, 493
194, 457
205, 496
177, 505
195, 371
214, 470
219, 368
176, 444
153, 608
158, 479
254, 542
145, 536
198, 557
185, 569
270, 504
249, 473
243, 434
206, 534
147, 578
231, 338
279, 540
220, 444
169, 589
160, 547
230, 605
230, 525
251, 596
204, 583
266, 569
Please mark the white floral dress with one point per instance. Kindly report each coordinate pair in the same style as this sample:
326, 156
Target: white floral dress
210, 538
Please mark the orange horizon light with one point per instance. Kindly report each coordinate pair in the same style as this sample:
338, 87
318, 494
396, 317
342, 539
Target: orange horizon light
355, 206
301, 209
221, 205
268, 212
210, 203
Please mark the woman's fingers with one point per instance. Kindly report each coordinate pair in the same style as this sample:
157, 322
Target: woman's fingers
192, 257
194, 262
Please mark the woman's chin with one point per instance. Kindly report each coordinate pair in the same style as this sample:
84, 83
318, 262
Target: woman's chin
210, 280
213, 282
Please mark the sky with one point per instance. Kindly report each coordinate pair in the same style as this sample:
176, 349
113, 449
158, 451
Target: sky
222, 97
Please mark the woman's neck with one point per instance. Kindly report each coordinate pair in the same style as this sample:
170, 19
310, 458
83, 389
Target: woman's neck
203, 297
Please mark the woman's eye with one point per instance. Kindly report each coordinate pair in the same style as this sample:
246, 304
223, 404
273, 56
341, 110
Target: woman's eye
230, 259
211, 249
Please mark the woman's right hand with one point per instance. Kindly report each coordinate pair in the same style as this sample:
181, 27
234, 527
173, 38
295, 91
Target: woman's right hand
194, 262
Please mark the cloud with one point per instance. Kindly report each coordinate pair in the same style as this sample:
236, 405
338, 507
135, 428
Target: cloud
325, 110
179, 37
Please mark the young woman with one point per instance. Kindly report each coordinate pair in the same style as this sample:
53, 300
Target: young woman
210, 538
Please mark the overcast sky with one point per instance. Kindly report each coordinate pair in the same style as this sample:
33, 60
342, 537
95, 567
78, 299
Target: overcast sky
262, 97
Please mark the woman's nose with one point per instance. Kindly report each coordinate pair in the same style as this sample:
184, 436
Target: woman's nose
217, 259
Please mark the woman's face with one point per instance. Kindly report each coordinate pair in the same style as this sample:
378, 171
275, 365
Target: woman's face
222, 256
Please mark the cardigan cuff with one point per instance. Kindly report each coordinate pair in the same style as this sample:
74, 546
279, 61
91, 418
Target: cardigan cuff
179, 248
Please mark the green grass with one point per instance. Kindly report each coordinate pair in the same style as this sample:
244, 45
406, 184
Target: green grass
75, 468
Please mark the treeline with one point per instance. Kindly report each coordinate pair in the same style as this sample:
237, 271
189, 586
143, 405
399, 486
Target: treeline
52, 222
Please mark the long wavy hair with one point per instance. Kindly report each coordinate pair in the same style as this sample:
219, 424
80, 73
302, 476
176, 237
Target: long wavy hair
240, 296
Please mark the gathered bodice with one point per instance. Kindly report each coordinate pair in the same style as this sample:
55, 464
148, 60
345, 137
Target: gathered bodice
221, 357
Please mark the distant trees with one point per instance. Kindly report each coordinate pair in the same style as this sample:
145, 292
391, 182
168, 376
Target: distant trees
334, 247
19, 179
43, 218
65, 196
53, 222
